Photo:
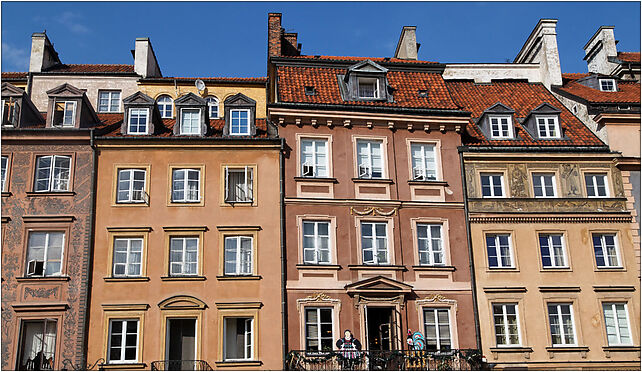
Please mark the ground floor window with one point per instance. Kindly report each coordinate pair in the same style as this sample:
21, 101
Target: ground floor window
123, 341
437, 328
318, 329
37, 345
238, 340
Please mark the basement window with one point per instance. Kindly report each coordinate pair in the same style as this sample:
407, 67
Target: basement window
310, 91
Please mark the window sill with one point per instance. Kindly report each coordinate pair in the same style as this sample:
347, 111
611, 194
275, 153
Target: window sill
318, 267
567, 349
433, 268
238, 363
511, 349
182, 278
130, 204
609, 269
502, 269
373, 180
238, 277
316, 179
34, 279
239, 204
50, 193
6, 194
127, 279
124, 366
428, 182
378, 267
554, 269
621, 348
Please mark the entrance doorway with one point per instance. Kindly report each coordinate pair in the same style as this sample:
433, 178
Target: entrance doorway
180, 344
380, 323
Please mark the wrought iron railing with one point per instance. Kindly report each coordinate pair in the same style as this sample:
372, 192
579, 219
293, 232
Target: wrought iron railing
180, 365
402, 360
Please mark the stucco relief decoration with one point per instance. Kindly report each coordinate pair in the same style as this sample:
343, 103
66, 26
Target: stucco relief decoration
364, 300
436, 299
570, 179
618, 187
319, 297
40, 292
470, 181
373, 211
568, 205
518, 179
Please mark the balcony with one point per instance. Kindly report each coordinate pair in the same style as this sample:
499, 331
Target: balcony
402, 360
180, 365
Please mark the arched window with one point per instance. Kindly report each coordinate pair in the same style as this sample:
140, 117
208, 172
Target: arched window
165, 106
212, 104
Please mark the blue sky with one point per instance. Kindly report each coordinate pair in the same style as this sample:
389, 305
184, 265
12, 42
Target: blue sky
229, 38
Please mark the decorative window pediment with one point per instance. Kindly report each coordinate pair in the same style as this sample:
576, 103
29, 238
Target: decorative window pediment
240, 116
543, 122
140, 114
69, 107
191, 115
378, 284
365, 81
17, 109
182, 303
497, 122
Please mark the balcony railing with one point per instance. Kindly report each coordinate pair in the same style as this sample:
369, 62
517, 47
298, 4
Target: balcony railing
402, 360
180, 365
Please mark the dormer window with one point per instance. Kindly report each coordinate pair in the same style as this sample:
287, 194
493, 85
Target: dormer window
10, 112
240, 122
240, 116
138, 119
310, 91
212, 104
607, 85
65, 114
368, 88
190, 121
547, 127
364, 81
501, 126
165, 106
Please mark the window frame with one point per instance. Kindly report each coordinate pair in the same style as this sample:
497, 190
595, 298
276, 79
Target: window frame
491, 174
182, 131
318, 337
389, 234
185, 182
128, 252
541, 176
249, 119
123, 338
129, 121
616, 320
210, 105
51, 172
510, 129
506, 325
224, 185
314, 154
110, 92
64, 244
316, 236
130, 189
436, 145
5, 177
384, 161
592, 175
512, 255
560, 320
127, 233
566, 263
429, 237
234, 231
616, 244
237, 259
435, 311
252, 346
164, 104
374, 81
612, 81
184, 238
547, 126
63, 124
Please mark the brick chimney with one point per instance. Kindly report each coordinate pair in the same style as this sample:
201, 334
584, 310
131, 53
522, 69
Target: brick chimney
541, 48
599, 48
289, 46
274, 34
145, 63
407, 46
43, 55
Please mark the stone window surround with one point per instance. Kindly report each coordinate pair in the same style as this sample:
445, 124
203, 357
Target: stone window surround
223, 185
122, 166
332, 220
123, 312
390, 232
608, 178
250, 231
438, 163
445, 238
384, 154
438, 302
184, 232
500, 171
57, 316
235, 310
127, 232
42, 225
563, 298
556, 178
170, 185
316, 301
565, 247
618, 249
312, 136
513, 251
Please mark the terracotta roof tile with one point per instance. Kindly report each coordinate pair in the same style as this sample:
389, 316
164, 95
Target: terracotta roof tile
628, 92
14, 75
356, 59
293, 80
522, 97
73, 68
629, 56
262, 80
574, 75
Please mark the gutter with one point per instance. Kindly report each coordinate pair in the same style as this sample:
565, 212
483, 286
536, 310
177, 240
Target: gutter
560, 149
284, 300
364, 108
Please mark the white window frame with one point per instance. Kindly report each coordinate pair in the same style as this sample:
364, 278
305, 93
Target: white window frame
129, 121
612, 81
618, 332
249, 117
123, 341
314, 154
46, 252
369, 165
198, 119
164, 104
558, 314
51, 179
497, 249
130, 190
593, 185
248, 184
542, 179
63, 123
504, 315
616, 245
185, 182
318, 324
435, 311
237, 259
128, 257
491, 178
368, 81
375, 248
110, 99
431, 249
548, 126
248, 337
317, 243
210, 105
549, 240
500, 129
421, 173
183, 263
5, 172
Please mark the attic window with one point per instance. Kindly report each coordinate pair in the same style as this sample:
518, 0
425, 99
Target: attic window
310, 91
10, 112
423, 93
65, 114
548, 127
607, 85
367, 88
501, 127
620, 107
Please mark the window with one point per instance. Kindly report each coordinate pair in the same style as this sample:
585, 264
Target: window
212, 104
560, 317
238, 185
616, 320
544, 185
596, 185
238, 255
429, 241
165, 106
606, 252
607, 85
183, 256
44, 253
314, 158
138, 121
3, 175
318, 329
492, 185
190, 121
374, 243
501, 127
552, 249
238, 343
437, 328
52, 173
123, 341
368, 88
499, 252
370, 159
10, 112
547, 127
240, 124
128, 254
506, 324
424, 165
316, 242
109, 101
37, 345
64, 114
310, 91
186, 185
131, 186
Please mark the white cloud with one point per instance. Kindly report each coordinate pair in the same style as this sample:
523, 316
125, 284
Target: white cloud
70, 20
14, 58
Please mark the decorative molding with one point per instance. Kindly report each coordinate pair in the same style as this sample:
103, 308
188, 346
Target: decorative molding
551, 219
48, 219
185, 228
436, 299
559, 289
364, 300
239, 305
238, 228
41, 292
125, 307
561, 205
614, 288
182, 303
504, 289
129, 229
40, 307
374, 211
317, 298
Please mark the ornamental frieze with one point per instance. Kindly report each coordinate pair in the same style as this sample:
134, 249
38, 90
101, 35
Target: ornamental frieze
30, 293
518, 179
549, 205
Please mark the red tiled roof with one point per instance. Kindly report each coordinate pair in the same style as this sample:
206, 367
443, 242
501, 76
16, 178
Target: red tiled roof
629, 56
628, 92
356, 59
522, 97
14, 75
293, 80
72, 68
574, 75
261, 80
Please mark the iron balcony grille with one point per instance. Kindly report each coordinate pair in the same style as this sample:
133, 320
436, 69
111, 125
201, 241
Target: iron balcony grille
180, 365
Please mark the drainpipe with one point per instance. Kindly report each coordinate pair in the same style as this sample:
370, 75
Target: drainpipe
284, 299
470, 253
29, 83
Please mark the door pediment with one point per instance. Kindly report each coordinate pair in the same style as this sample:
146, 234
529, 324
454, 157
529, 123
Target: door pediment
378, 284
